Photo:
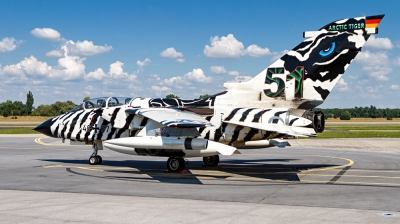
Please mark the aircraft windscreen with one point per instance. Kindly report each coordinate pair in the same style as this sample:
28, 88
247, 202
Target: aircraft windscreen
106, 102
77, 108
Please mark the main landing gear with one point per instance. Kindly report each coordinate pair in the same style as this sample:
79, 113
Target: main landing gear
211, 160
176, 164
94, 158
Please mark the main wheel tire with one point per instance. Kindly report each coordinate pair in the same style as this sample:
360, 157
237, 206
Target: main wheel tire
211, 160
175, 164
99, 159
93, 160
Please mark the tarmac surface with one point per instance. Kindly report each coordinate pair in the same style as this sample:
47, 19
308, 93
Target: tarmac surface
313, 181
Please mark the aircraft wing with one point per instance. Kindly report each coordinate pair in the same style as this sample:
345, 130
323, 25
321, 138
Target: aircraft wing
283, 129
172, 117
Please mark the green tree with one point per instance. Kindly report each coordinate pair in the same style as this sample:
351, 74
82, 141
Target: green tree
18, 108
44, 110
86, 98
172, 96
10, 108
54, 109
29, 104
7, 108
345, 115
205, 96
62, 107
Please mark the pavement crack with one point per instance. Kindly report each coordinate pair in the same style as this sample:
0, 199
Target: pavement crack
269, 195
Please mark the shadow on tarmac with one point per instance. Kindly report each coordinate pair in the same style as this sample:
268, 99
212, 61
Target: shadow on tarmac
238, 170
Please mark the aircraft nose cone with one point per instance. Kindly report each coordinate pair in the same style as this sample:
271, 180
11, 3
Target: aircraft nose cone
44, 128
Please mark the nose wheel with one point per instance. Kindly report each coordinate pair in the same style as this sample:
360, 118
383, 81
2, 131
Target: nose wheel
94, 158
176, 164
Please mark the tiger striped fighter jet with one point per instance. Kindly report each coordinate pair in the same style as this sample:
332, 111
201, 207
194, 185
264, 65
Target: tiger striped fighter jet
274, 106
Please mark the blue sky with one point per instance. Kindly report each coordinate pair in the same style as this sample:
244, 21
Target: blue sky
66, 50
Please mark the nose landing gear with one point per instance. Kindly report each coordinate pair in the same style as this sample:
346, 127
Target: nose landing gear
94, 158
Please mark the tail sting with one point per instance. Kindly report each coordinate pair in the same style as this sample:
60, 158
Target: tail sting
304, 77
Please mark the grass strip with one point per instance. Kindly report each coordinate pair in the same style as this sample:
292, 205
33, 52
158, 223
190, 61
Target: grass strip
363, 127
18, 131
358, 134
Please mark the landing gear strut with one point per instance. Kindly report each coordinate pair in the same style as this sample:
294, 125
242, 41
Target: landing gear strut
175, 164
94, 158
211, 160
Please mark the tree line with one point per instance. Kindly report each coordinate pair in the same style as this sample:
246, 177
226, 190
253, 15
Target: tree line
361, 112
17, 108
172, 96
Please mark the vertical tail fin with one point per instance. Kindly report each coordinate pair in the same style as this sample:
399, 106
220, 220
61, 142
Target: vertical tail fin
306, 75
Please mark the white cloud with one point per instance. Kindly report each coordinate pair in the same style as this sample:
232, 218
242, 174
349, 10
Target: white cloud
397, 61
8, 44
117, 72
221, 70
179, 82
68, 68
153, 78
256, 51
233, 73
230, 47
171, 53
376, 65
12, 70
395, 87
98, 74
85, 48
143, 63
180, 60
116, 77
55, 53
342, 85
198, 76
80, 48
374, 89
379, 43
47, 33
218, 69
32, 66
28, 66
224, 47
160, 89
176, 81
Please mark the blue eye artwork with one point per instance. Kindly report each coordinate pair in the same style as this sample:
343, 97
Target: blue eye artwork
328, 51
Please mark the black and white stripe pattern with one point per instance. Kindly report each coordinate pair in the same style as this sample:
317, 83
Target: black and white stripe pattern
117, 122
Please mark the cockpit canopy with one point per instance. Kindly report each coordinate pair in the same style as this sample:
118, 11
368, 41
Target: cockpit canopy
102, 102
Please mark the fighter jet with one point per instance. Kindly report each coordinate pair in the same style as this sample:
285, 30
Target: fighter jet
266, 111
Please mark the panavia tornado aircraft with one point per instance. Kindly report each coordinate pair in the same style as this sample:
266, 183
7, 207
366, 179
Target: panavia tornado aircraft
263, 112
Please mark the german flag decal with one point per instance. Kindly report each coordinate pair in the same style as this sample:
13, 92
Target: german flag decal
373, 21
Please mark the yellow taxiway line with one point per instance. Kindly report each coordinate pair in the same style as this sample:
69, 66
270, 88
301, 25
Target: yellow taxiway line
207, 175
39, 141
